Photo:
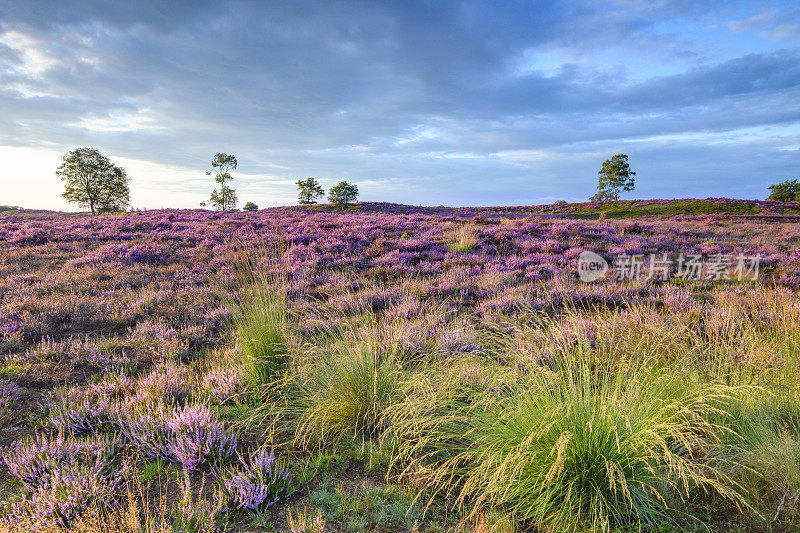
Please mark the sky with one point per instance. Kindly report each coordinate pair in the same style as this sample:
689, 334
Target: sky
425, 103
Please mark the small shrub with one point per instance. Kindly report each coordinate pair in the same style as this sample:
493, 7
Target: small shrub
170, 383
257, 483
62, 478
198, 437
9, 393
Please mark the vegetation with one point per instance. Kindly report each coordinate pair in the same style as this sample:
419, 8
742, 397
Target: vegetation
421, 372
785, 191
92, 180
615, 176
308, 190
343, 193
250, 206
225, 198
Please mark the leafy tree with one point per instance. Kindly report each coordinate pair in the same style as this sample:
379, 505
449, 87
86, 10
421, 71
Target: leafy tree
785, 191
250, 206
308, 190
343, 193
92, 180
225, 198
615, 176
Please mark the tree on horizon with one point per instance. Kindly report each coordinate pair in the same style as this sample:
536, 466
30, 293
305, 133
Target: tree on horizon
221, 166
615, 176
308, 190
343, 193
92, 180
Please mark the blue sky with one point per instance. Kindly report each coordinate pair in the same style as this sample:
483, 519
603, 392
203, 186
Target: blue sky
455, 103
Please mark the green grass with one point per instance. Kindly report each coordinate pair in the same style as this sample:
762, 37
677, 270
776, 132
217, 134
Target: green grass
152, 470
258, 307
574, 448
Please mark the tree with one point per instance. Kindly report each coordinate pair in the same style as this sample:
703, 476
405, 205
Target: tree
92, 180
615, 176
785, 191
250, 206
225, 198
308, 190
342, 194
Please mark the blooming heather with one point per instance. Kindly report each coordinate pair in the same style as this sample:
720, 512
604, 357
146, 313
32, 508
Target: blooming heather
170, 383
198, 437
9, 393
224, 384
259, 482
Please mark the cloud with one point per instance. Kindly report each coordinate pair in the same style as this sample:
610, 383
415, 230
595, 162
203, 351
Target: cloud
467, 101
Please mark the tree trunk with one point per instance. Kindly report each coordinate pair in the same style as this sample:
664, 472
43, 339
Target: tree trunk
91, 206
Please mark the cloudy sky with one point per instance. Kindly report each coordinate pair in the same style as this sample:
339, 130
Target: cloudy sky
437, 102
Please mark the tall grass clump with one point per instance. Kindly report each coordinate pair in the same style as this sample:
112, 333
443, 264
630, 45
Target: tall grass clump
257, 302
347, 384
571, 447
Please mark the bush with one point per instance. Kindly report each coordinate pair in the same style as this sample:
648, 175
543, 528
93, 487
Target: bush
257, 483
785, 191
62, 478
192, 435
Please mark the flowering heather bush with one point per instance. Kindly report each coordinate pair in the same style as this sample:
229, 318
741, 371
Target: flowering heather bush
170, 382
259, 482
80, 416
9, 393
75, 350
62, 478
70, 492
191, 435
145, 429
34, 460
198, 437
11, 332
224, 384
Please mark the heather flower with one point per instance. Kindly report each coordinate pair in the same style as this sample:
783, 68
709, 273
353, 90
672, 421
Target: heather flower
146, 430
169, 382
259, 482
224, 384
9, 393
80, 417
198, 437
69, 492
33, 460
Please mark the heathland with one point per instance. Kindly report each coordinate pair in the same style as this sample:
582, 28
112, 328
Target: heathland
380, 367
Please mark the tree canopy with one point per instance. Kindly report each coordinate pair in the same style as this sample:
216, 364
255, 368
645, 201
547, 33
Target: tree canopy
92, 180
250, 206
785, 191
225, 198
615, 176
343, 193
308, 190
